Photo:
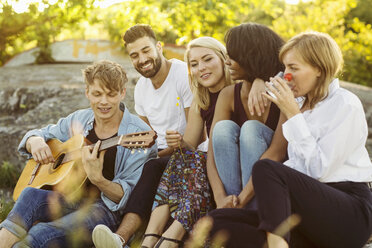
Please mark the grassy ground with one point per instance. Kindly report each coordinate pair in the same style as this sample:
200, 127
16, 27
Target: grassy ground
8, 179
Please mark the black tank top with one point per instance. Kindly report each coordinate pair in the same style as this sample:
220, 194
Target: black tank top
239, 116
207, 115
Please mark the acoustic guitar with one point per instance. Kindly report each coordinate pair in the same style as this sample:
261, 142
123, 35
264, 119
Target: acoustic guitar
67, 175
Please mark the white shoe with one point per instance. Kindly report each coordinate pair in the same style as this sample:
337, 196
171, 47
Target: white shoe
104, 238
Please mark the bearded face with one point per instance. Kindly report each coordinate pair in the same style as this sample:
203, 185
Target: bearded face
145, 56
150, 67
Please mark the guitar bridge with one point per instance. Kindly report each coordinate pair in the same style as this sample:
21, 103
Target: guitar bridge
33, 175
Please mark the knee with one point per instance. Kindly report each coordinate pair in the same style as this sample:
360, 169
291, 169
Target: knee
225, 130
252, 129
45, 235
31, 193
28, 191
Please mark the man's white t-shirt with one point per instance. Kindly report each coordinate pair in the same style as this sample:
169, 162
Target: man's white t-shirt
164, 107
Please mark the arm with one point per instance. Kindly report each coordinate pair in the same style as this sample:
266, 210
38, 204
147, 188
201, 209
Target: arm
223, 111
174, 137
276, 151
166, 152
187, 113
343, 132
129, 169
39, 149
328, 140
278, 148
93, 166
193, 132
64, 129
256, 102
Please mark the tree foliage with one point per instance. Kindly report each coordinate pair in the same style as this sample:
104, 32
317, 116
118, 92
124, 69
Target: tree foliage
348, 21
38, 28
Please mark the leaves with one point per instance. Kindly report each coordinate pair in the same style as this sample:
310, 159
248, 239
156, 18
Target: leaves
347, 21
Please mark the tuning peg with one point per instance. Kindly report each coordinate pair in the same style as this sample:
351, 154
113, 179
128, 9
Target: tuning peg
132, 151
144, 151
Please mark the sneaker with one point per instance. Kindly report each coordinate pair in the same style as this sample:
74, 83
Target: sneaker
104, 238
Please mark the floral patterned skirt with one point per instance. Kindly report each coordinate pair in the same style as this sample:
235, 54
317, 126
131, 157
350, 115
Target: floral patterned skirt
185, 188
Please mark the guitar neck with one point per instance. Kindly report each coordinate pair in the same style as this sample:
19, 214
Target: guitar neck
106, 144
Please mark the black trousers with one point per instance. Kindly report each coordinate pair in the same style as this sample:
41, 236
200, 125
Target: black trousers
142, 197
332, 215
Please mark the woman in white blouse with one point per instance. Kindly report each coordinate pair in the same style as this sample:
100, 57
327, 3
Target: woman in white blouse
324, 180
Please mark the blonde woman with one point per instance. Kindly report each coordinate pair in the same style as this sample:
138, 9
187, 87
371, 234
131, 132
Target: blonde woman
183, 193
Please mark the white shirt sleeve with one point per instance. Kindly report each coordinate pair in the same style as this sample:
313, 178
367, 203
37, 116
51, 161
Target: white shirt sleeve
344, 132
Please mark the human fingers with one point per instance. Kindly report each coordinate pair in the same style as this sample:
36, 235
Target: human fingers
271, 89
257, 106
44, 157
261, 102
36, 156
282, 85
96, 149
269, 97
250, 105
264, 99
235, 200
49, 155
174, 140
174, 136
170, 132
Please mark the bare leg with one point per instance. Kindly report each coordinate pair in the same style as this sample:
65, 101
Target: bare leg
158, 220
275, 241
7, 238
129, 225
175, 231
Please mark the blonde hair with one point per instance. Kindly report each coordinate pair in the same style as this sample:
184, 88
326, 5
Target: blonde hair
201, 93
110, 74
320, 51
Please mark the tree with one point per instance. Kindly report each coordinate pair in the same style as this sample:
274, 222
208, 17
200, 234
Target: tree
354, 37
39, 28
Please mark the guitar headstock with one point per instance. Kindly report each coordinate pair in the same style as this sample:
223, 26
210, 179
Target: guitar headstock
138, 140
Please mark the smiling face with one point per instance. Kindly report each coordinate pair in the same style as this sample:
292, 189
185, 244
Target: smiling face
146, 56
105, 103
304, 76
207, 68
236, 71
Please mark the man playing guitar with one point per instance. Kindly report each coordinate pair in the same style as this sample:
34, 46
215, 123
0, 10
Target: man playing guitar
44, 218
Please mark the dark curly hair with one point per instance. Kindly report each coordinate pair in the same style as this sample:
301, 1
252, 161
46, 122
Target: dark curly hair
255, 48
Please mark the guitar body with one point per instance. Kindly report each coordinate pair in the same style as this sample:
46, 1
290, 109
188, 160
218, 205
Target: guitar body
66, 175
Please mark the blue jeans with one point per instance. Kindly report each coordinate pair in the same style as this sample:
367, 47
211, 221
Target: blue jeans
42, 218
236, 149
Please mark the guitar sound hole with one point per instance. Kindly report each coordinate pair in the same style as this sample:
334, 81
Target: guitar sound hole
58, 161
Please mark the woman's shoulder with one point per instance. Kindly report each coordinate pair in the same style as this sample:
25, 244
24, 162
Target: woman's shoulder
344, 97
228, 91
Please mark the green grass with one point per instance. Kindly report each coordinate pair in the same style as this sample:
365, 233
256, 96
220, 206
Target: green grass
9, 175
5, 207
